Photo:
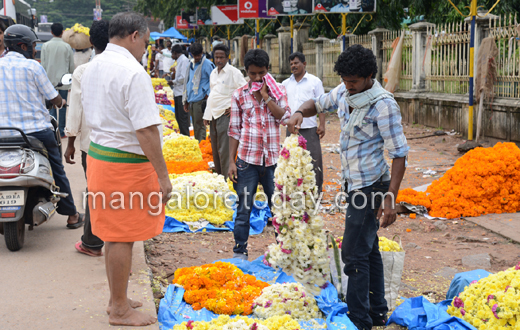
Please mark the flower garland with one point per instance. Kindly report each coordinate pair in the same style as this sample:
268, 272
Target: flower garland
225, 322
286, 298
200, 196
483, 181
492, 302
149, 49
168, 120
220, 287
181, 148
302, 245
205, 148
186, 167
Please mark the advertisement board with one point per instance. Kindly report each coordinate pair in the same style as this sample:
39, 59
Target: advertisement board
225, 15
203, 16
180, 24
345, 6
252, 9
190, 16
290, 7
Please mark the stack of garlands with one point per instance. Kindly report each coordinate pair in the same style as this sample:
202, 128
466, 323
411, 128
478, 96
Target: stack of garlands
168, 120
220, 287
492, 302
205, 149
302, 245
180, 148
225, 322
200, 196
483, 181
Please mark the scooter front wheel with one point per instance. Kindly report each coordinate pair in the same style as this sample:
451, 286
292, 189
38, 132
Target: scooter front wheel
14, 233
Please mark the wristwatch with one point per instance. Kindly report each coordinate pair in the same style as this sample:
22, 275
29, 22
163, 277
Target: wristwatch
268, 100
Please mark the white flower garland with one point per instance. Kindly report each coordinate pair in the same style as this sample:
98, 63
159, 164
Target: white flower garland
286, 298
302, 245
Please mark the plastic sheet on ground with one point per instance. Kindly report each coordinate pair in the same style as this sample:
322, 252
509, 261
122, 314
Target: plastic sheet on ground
173, 310
420, 314
167, 107
257, 222
462, 280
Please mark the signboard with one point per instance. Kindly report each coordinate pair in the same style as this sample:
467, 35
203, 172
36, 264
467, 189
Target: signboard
225, 15
97, 14
43, 18
252, 9
203, 16
190, 16
180, 24
290, 7
345, 6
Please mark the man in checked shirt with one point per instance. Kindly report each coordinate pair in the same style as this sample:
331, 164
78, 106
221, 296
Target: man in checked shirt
257, 110
370, 122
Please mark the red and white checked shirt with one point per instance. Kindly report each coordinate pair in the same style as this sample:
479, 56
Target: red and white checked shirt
254, 126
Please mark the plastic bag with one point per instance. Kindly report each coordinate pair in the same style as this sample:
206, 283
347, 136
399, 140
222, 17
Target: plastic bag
393, 263
393, 71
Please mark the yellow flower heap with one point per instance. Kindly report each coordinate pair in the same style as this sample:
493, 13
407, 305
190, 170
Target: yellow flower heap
492, 302
181, 148
169, 123
78, 28
225, 322
387, 245
199, 196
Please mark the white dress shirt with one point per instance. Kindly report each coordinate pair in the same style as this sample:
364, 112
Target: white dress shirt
167, 60
222, 85
118, 99
308, 88
76, 124
181, 73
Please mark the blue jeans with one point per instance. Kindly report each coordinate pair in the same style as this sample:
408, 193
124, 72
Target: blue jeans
248, 177
63, 114
65, 205
360, 253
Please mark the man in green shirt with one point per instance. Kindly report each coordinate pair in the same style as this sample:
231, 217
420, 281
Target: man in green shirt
57, 60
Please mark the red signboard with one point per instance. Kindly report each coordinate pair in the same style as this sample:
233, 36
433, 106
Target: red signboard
180, 24
252, 9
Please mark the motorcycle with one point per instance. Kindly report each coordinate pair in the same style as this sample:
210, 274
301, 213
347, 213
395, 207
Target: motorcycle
28, 193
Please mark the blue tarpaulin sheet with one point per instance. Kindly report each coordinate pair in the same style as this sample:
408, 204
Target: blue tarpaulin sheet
462, 280
174, 310
257, 222
167, 107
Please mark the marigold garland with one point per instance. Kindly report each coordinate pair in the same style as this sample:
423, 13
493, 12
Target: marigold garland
205, 148
186, 167
225, 322
492, 302
413, 197
220, 287
180, 148
483, 181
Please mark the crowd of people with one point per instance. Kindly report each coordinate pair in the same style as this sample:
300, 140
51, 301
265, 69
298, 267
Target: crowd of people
113, 112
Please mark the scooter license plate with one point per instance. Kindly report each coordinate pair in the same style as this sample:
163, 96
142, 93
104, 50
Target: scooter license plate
12, 197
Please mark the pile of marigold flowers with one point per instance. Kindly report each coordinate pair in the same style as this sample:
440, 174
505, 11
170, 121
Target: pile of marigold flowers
225, 322
483, 181
180, 148
220, 287
491, 302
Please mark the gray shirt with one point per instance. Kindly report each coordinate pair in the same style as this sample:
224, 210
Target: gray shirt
181, 74
57, 60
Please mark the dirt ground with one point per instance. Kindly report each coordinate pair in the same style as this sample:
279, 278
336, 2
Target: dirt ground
429, 250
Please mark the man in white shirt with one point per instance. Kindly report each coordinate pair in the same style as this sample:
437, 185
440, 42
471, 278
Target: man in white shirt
126, 167
224, 80
178, 84
89, 244
303, 86
167, 60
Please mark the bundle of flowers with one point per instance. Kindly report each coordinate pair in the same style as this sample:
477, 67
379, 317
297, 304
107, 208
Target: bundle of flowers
168, 120
78, 28
388, 245
205, 149
181, 148
163, 95
78, 37
186, 167
159, 82
339, 242
286, 298
224, 322
220, 287
492, 302
484, 180
302, 245
200, 196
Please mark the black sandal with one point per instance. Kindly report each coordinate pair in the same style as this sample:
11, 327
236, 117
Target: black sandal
81, 221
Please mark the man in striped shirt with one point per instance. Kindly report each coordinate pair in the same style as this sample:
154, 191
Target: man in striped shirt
370, 121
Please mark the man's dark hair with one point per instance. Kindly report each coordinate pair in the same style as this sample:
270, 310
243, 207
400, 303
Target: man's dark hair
177, 49
124, 24
256, 57
298, 55
221, 47
356, 61
99, 34
2, 26
196, 49
57, 29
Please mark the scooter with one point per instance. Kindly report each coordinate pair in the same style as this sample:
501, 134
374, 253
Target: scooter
28, 193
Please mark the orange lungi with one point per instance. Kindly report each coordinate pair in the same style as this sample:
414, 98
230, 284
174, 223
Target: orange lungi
116, 174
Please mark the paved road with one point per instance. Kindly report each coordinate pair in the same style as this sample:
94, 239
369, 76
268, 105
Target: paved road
48, 285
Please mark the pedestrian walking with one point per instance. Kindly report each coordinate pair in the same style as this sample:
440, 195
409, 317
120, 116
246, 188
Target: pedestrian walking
303, 86
197, 90
257, 110
125, 162
76, 126
224, 80
57, 59
370, 121
178, 83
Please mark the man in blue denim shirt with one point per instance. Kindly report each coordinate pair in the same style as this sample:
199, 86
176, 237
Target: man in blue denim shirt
370, 122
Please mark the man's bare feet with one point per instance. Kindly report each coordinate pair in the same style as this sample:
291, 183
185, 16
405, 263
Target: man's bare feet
133, 304
131, 317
